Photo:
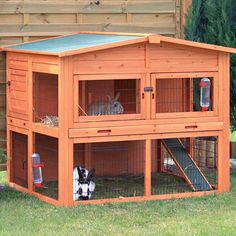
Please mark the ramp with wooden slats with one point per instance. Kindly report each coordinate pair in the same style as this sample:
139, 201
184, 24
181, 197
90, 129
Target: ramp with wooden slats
186, 165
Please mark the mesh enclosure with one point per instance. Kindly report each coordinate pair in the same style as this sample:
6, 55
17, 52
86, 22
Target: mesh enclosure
177, 166
119, 167
47, 148
186, 164
109, 97
180, 95
45, 99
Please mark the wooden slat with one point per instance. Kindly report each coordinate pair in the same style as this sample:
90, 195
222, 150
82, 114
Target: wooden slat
46, 130
145, 129
130, 52
45, 68
106, 6
10, 30
107, 66
18, 123
52, 18
177, 18
11, 18
184, 65
14, 64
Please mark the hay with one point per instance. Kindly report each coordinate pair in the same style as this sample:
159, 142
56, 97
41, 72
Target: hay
50, 121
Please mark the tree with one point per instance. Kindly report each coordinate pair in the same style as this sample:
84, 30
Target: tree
196, 21
214, 22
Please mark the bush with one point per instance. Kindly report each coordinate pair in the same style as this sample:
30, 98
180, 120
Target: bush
214, 22
3, 156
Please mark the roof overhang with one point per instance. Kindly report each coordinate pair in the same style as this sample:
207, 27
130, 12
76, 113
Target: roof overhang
151, 38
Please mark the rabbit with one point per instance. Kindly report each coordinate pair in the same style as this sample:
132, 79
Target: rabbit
110, 107
84, 184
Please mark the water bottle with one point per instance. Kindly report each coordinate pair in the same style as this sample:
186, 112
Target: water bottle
205, 95
37, 170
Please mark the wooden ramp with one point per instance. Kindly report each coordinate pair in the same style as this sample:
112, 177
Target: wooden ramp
186, 165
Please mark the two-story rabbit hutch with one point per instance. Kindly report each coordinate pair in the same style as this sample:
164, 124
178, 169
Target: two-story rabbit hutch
149, 114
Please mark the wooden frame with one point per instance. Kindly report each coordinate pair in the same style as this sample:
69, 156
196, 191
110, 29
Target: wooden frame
147, 171
191, 76
146, 126
77, 78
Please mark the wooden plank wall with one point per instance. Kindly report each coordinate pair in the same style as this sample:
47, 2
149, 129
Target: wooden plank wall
22, 21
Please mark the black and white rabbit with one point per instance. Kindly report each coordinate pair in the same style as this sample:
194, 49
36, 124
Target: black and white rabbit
83, 183
110, 107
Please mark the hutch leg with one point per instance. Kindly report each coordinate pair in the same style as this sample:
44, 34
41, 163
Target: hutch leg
30, 152
223, 164
69, 179
147, 166
65, 172
9, 157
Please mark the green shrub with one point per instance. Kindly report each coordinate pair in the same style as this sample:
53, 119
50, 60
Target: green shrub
3, 156
214, 22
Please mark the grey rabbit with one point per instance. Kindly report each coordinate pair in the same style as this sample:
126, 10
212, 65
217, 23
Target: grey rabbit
110, 107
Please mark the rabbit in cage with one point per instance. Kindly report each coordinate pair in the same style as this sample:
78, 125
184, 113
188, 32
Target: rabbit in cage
83, 183
110, 107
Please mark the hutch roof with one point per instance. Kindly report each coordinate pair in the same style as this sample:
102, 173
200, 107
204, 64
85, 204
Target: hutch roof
91, 41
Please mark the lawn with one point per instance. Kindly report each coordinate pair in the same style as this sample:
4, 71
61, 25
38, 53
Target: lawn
213, 215
233, 137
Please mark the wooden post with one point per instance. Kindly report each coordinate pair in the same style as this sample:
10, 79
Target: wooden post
177, 18
65, 157
9, 138
88, 156
30, 132
160, 157
185, 4
147, 172
63, 142
9, 158
223, 142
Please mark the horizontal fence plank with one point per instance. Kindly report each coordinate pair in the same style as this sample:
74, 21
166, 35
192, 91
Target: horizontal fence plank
88, 7
58, 29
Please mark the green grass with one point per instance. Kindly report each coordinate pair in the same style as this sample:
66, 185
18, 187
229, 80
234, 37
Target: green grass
126, 186
213, 215
233, 137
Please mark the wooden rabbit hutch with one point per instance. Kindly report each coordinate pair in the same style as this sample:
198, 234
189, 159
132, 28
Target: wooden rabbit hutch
149, 114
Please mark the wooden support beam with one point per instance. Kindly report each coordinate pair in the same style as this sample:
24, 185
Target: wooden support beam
224, 142
177, 18
147, 164
185, 5
65, 159
31, 137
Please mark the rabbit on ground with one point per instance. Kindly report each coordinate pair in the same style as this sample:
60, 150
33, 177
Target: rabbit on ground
83, 183
110, 107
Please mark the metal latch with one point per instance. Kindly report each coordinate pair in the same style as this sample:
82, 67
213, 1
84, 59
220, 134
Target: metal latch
148, 89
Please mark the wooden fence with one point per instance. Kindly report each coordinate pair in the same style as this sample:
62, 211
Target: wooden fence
22, 21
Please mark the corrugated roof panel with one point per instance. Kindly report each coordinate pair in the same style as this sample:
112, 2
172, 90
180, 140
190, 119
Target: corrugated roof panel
72, 42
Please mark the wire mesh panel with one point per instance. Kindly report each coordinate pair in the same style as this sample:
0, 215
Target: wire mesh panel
117, 170
45, 98
184, 165
205, 155
184, 95
109, 97
47, 148
19, 161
